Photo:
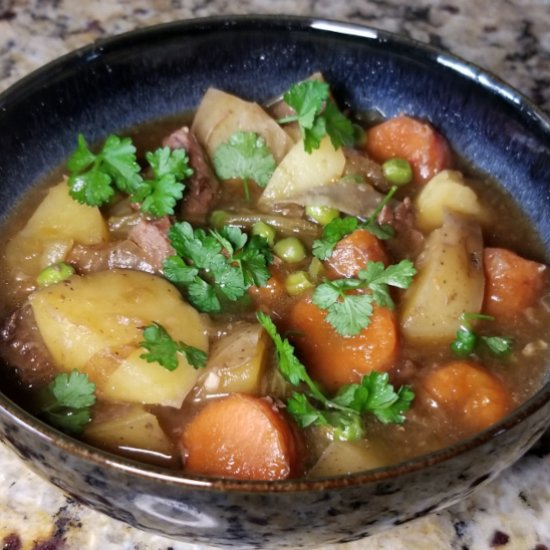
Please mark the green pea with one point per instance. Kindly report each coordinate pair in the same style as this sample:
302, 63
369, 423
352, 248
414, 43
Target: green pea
322, 214
264, 230
54, 273
297, 282
397, 171
290, 249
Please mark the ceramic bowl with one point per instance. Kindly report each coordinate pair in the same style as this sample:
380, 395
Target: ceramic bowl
120, 82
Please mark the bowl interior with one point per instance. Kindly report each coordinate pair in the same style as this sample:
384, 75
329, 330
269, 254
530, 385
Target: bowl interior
118, 83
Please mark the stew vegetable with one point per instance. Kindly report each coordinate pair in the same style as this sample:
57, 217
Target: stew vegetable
268, 293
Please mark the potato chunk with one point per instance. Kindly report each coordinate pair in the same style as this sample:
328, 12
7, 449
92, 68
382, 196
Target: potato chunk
95, 324
347, 457
57, 224
132, 431
450, 281
446, 192
220, 115
300, 171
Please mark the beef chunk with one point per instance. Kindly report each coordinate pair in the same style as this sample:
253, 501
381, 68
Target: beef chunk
408, 240
124, 254
203, 186
22, 348
150, 237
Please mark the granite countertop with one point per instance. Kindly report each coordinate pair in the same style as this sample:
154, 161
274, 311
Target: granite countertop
511, 38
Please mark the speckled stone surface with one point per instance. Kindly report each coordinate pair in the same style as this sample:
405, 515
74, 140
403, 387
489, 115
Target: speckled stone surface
511, 38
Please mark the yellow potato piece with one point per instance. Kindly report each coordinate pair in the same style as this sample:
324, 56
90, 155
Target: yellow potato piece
95, 324
300, 171
446, 192
346, 457
450, 281
220, 115
57, 224
134, 432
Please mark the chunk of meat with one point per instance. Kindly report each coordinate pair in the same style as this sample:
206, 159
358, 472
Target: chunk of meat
123, 254
408, 240
151, 238
145, 249
22, 348
203, 186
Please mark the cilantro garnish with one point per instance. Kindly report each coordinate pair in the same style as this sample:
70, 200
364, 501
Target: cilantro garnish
344, 412
467, 341
244, 156
215, 264
66, 402
94, 178
317, 115
163, 349
338, 228
333, 232
350, 313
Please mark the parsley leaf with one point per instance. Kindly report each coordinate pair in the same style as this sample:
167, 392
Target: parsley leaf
216, 264
163, 349
333, 232
159, 195
94, 178
345, 412
66, 402
244, 156
351, 313
317, 115
467, 341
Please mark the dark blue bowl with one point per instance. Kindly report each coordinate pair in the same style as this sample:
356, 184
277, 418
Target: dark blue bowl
120, 82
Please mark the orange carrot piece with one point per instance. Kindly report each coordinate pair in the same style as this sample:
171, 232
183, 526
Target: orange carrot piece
242, 437
471, 394
512, 283
335, 360
353, 252
413, 140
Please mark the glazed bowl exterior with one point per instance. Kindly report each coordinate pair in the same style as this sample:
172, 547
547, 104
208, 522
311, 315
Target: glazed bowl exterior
121, 82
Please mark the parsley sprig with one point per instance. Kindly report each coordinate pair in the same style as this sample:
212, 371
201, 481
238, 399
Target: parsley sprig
467, 341
245, 156
344, 413
67, 401
94, 178
338, 228
215, 264
317, 115
351, 313
163, 349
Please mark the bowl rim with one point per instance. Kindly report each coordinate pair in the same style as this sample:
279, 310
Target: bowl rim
317, 26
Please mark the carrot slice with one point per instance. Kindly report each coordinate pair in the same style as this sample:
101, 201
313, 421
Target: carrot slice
408, 138
471, 394
352, 253
512, 283
242, 437
335, 360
